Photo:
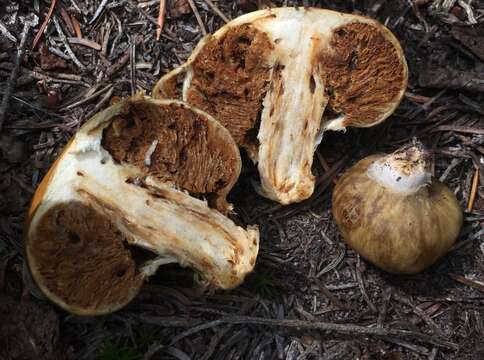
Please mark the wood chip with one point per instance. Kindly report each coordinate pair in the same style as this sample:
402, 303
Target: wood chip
474, 284
85, 42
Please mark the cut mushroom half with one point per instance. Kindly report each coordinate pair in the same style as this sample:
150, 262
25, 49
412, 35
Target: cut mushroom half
278, 78
150, 174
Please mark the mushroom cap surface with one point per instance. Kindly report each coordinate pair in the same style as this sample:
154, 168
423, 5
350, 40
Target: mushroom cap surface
401, 232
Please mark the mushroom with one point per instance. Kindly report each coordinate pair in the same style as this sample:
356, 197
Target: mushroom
392, 212
147, 174
277, 79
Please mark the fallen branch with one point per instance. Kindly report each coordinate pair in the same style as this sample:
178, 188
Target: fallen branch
341, 329
44, 24
460, 129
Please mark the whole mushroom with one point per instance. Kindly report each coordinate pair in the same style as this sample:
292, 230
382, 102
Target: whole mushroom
143, 173
277, 79
392, 212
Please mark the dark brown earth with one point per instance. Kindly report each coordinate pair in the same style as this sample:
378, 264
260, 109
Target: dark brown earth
304, 271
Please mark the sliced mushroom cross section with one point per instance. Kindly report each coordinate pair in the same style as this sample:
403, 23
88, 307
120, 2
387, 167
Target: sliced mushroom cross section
278, 78
143, 173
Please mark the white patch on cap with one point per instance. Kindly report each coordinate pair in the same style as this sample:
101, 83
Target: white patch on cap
404, 171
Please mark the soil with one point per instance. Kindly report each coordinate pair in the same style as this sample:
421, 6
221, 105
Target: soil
304, 272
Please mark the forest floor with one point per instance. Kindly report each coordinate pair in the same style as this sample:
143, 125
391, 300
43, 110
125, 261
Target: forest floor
306, 278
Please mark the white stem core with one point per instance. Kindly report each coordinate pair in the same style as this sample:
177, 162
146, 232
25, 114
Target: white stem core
404, 171
150, 267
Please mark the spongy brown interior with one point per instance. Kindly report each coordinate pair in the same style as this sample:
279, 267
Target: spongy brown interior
363, 73
175, 145
89, 265
230, 78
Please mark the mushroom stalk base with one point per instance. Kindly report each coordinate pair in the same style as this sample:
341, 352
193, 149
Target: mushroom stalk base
404, 171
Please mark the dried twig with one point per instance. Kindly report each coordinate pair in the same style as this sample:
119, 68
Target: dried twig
467, 282
132, 63
447, 78
44, 24
342, 329
333, 264
361, 284
66, 44
466, 5
323, 163
101, 103
461, 129
105, 39
415, 348
85, 42
473, 192
161, 19
217, 11
4, 31
88, 98
77, 27
12, 80
214, 342
199, 18
422, 314
68, 21
330, 295
99, 10
142, 12
451, 166
74, 4
387, 295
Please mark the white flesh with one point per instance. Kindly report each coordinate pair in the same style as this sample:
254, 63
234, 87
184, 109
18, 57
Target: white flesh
178, 227
289, 135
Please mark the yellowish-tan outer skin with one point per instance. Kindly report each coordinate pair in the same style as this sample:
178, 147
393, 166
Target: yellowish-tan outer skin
400, 233
291, 119
224, 252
